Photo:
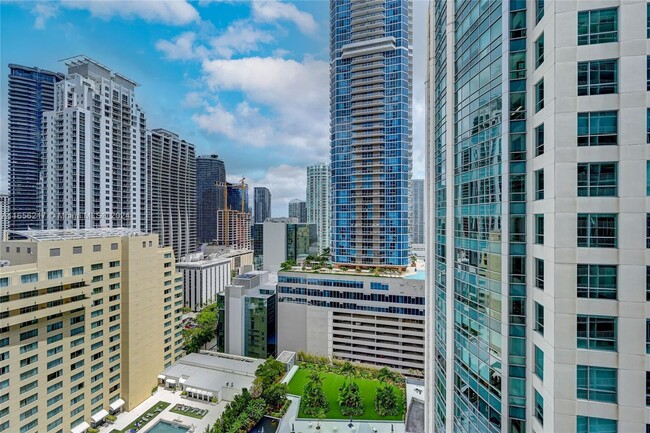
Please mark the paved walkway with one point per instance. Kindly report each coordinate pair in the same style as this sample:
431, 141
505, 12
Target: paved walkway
125, 418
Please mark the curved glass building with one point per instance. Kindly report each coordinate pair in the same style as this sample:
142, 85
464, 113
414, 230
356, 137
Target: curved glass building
371, 127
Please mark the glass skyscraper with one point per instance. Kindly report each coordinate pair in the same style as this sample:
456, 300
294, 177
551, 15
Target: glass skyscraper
538, 268
31, 93
210, 172
262, 197
370, 112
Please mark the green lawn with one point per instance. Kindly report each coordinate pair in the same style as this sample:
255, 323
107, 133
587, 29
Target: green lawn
162, 405
331, 384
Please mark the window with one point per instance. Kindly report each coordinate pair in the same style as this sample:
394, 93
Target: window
539, 318
539, 229
597, 26
647, 74
539, 362
539, 184
539, 273
647, 126
539, 140
596, 332
4, 282
598, 128
539, 10
78, 270
28, 278
597, 230
597, 179
76, 250
647, 230
53, 275
585, 424
539, 407
539, 51
596, 383
598, 77
647, 336
55, 252
539, 95
647, 388
114, 246
597, 281
97, 248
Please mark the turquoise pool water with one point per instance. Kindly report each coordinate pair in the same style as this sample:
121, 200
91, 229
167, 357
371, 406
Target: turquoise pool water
165, 427
419, 275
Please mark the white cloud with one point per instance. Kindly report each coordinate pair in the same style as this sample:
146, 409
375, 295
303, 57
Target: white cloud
274, 10
239, 37
172, 12
181, 48
43, 12
285, 182
287, 103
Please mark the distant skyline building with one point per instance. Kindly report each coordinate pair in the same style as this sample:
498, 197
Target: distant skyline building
417, 211
371, 129
30, 94
210, 172
538, 218
235, 196
286, 239
262, 204
172, 185
4, 214
298, 210
95, 153
234, 229
318, 202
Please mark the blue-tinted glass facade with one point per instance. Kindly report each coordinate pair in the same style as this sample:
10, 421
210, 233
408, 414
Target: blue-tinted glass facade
31, 93
210, 172
262, 204
370, 111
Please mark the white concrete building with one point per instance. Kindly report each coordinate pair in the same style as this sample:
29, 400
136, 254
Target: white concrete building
204, 277
318, 202
94, 151
356, 317
538, 217
285, 239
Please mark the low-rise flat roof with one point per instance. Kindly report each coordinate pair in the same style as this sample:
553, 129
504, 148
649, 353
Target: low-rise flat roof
60, 235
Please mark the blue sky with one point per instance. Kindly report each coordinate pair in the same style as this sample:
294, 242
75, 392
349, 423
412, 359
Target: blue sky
248, 81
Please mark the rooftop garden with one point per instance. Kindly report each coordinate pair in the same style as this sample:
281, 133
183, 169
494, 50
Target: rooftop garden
268, 396
341, 390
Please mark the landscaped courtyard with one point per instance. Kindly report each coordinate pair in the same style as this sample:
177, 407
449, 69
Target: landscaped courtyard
140, 422
331, 384
190, 411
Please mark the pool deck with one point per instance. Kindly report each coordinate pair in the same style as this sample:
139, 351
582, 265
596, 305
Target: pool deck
125, 418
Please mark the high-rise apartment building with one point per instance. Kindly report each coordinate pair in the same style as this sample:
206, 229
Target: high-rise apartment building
538, 217
234, 229
210, 181
371, 128
30, 94
262, 204
88, 320
318, 202
172, 189
4, 214
94, 151
298, 210
417, 211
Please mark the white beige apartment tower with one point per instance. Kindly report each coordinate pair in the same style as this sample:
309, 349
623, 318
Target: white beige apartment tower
538, 216
94, 159
319, 205
88, 319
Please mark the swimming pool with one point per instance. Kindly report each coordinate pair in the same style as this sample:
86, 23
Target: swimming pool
167, 427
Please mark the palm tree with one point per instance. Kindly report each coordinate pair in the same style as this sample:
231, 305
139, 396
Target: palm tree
348, 371
384, 375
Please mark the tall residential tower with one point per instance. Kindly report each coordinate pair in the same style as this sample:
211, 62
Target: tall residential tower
417, 211
318, 202
538, 218
94, 151
298, 209
31, 93
371, 128
210, 181
262, 198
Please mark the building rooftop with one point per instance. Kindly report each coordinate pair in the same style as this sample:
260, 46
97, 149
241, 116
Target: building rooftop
211, 371
60, 235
